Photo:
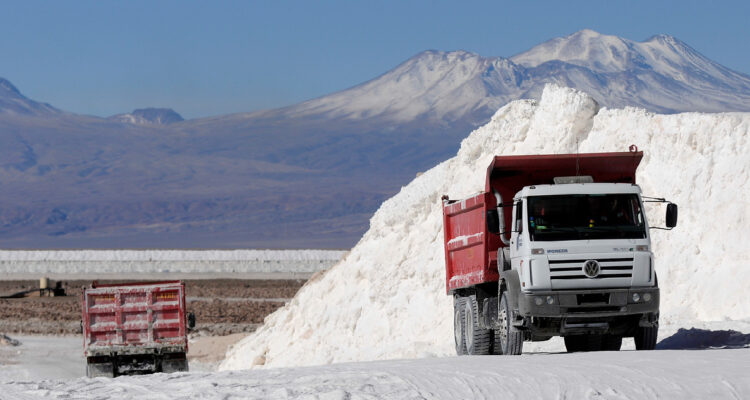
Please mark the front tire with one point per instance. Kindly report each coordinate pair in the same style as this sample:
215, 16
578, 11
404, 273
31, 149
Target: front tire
458, 325
645, 337
510, 337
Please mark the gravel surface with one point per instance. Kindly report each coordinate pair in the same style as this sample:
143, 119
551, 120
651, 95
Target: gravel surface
221, 306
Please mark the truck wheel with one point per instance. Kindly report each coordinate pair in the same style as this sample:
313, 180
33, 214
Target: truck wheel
576, 343
106, 369
174, 363
510, 337
496, 348
458, 325
478, 339
645, 337
611, 342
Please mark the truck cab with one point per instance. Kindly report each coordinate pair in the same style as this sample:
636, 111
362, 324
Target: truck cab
583, 257
556, 226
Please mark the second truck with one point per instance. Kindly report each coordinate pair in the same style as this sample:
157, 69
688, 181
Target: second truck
135, 328
556, 245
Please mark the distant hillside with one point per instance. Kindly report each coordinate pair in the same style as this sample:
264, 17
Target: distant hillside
159, 116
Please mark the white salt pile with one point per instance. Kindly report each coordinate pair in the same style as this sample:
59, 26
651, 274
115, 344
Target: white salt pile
386, 299
165, 261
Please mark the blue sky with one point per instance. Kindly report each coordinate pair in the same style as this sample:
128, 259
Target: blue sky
211, 57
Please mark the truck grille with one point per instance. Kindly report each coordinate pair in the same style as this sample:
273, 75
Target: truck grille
573, 268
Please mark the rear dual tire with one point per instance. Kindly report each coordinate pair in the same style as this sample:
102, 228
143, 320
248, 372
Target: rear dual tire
478, 340
471, 339
458, 325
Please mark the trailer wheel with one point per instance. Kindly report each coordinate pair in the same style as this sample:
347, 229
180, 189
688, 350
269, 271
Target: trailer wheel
105, 369
510, 337
458, 325
477, 338
176, 362
645, 337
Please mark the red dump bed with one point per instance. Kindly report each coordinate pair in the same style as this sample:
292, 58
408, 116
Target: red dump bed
470, 250
134, 316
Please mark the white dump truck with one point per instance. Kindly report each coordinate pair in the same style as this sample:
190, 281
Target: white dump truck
557, 245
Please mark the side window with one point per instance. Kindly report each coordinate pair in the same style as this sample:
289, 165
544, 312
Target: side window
519, 220
637, 211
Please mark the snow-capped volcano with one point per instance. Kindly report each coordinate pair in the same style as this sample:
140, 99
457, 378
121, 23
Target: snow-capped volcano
660, 74
606, 53
437, 85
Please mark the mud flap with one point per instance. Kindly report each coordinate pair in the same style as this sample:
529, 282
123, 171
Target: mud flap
100, 369
512, 287
174, 362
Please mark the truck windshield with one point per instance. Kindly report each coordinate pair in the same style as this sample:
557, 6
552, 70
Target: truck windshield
585, 216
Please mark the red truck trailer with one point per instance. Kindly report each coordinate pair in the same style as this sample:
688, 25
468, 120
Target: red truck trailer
134, 328
556, 245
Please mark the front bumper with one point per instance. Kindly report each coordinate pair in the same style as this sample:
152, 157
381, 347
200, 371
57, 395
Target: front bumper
589, 303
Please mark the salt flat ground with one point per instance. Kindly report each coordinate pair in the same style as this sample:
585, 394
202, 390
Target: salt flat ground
52, 367
676, 374
40, 358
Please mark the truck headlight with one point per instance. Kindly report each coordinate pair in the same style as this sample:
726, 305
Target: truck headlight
636, 297
641, 247
550, 300
647, 297
538, 301
537, 251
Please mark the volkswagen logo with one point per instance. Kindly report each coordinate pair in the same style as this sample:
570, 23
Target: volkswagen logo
591, 269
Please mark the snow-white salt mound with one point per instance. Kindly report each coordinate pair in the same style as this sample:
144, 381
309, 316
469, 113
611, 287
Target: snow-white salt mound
386, 299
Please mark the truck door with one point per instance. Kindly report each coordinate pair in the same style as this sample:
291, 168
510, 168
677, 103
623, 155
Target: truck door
517, 241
